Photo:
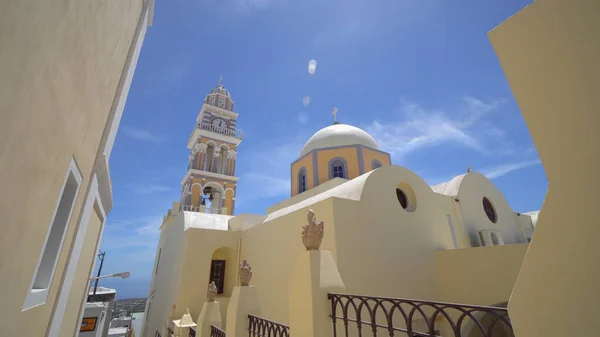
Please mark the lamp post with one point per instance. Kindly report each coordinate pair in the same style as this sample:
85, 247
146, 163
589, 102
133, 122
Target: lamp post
123, 275
101, 257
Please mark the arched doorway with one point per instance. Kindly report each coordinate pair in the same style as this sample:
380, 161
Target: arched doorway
223, 270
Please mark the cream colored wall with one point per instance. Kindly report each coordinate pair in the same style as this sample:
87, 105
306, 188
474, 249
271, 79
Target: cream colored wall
525, 223
549, 52
79, 288
200, 246
381, 249
273, 263
244, 221
481, 275
451, 208
166, 280
59, 76
305, 195
384, 250
473, 188
374, 241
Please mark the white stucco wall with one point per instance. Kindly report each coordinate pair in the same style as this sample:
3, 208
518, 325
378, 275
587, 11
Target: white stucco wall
385, 250
381, 248
473, 188
165, 281
100, 311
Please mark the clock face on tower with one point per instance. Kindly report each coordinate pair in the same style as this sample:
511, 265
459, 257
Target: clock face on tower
219, 123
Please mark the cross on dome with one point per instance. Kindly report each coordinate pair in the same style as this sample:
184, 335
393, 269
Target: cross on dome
334, 113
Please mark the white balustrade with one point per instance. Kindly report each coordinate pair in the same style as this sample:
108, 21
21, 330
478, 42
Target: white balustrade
223, 131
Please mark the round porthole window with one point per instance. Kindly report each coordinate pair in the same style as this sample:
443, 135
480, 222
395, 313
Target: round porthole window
489, 210
402, 198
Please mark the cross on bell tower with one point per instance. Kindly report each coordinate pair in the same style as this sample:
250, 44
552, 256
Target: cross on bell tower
209, 185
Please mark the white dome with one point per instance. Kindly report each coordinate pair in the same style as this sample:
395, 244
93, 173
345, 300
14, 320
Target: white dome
338, 135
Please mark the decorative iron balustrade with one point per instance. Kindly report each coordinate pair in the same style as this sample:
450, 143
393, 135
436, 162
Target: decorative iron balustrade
192, 332
223, 131
215, 331
406, 317
262, 327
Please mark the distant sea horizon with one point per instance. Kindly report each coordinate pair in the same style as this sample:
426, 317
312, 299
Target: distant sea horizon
127, 288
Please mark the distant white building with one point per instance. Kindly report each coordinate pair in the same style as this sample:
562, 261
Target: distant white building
96, 316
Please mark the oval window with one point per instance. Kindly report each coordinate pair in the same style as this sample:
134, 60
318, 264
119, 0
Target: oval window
489, 209
402, 199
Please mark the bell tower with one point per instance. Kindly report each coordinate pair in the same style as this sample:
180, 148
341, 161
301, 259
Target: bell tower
209, 186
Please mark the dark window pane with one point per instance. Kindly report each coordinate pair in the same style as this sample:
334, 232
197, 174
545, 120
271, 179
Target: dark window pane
402, 199
217, 274
489, 210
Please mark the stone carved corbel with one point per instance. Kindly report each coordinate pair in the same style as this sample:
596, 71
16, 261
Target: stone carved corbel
312, 232
211, 292
245, 274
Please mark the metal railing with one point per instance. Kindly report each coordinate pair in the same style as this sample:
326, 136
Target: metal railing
262, 327
170, 332
192, 332
413, 318
223, 131
215, 331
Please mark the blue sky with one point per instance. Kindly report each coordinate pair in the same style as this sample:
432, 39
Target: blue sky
421, 76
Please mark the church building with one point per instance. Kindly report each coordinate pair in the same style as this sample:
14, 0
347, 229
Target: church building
390, 233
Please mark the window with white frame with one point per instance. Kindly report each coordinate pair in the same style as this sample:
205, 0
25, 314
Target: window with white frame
46, 266
337, 169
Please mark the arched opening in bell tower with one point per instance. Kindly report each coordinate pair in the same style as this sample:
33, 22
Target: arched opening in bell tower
222, 162
210, 152
213, 195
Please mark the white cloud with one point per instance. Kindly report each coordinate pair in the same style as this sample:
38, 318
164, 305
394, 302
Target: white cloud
420, 127
140, 134
502, 170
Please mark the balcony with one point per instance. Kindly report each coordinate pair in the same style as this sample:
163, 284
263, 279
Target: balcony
204, 209
222, 131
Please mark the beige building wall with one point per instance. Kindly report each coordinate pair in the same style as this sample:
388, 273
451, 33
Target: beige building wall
473, 188
480, 275
380, 248
165, 275
62, 90
197, 259
549, 52
79, 288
